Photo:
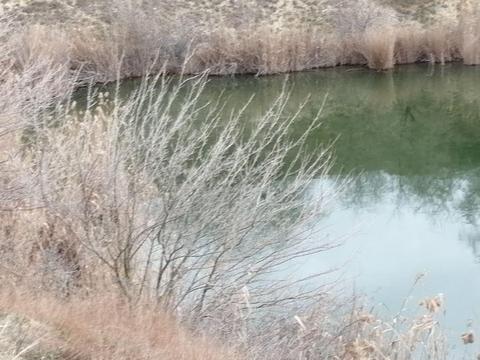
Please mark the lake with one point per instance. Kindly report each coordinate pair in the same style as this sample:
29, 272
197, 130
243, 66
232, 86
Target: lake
408, 140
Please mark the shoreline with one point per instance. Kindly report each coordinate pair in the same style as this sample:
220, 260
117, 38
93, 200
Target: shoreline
128, 41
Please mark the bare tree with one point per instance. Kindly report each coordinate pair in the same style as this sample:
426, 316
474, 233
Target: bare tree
177, 199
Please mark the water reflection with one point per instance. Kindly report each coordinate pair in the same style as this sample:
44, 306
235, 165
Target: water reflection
472, 239
414, 131
456, 196
411, 140
410, 136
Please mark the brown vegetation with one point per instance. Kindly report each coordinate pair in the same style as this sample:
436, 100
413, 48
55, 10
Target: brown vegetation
139, 233
132, 39
98, 327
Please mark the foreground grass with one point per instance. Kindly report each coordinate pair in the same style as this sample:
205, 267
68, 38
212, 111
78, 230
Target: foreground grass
99, 327
42, 326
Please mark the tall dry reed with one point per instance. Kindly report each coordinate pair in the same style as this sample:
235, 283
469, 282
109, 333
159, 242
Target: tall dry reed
133, 39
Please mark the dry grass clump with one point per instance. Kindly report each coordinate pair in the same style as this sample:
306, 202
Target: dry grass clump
40, 42
129, 42
261, 50
133, 44
436, 44
378, 48
98, 327
440, 45
410, 44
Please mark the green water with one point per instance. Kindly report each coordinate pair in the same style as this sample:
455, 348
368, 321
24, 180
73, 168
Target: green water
410, 140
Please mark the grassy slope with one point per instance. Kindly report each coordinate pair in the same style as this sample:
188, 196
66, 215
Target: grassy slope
79, 11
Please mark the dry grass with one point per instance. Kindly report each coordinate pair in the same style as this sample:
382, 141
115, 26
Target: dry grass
378, 47
410, 45
100, 327
336, 330
258, 37
439, 45
262, 50
103, 327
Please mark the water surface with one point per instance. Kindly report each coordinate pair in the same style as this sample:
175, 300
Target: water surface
410, 139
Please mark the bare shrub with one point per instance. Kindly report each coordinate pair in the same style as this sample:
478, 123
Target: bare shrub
174, 203
32, 79
34, 72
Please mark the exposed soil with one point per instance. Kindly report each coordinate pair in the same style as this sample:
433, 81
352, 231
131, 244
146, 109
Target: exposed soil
82, 12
